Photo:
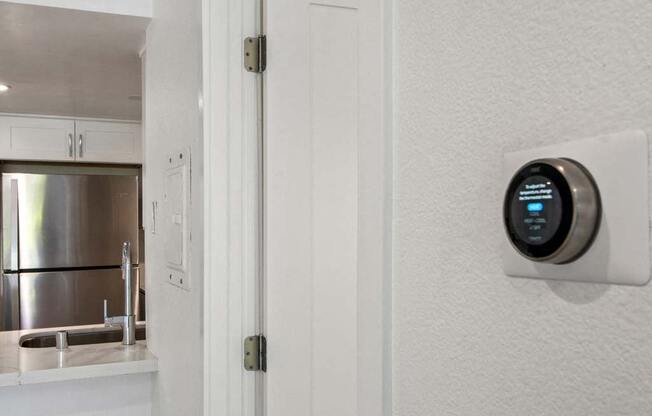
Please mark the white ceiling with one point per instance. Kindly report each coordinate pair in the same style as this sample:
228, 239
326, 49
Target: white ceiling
70, 62
128, 7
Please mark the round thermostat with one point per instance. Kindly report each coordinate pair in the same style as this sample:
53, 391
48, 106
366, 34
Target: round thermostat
552, 210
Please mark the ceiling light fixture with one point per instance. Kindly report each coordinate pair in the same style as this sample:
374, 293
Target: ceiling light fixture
4, 87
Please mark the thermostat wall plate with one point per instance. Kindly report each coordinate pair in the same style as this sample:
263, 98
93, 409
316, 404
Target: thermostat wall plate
611, 180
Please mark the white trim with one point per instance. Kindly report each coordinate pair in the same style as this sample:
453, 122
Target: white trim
50, 116
390, 132
229, 131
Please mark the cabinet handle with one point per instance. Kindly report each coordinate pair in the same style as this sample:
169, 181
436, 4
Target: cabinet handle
81, 146
69, 144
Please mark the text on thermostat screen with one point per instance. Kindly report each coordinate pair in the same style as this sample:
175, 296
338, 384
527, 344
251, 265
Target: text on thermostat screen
536, 210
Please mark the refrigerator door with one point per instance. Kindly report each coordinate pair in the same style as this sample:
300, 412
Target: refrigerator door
9, 318
10, 224
71, 221
50, 299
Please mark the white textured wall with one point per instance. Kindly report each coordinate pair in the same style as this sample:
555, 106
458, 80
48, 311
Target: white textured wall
476, 79
172, 122
128, 395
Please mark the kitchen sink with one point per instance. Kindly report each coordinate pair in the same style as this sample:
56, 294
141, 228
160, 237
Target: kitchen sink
83, 336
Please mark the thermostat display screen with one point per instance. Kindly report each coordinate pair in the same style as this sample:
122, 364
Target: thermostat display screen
536, 210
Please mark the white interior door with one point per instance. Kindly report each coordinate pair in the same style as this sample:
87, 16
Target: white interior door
326, 197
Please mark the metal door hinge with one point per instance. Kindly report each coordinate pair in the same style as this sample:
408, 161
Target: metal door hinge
255, 353
255, 54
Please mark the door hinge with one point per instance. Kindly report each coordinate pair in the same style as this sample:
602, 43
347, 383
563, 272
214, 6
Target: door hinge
255, 54
255, 353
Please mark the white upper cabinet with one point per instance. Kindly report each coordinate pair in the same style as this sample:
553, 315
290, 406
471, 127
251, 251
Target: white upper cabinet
56, 140
108, 142
28, 138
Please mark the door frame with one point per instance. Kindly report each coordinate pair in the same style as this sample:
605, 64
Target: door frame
230, 196
230, 199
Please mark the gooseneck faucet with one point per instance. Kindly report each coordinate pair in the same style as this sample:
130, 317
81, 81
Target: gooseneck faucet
128, 320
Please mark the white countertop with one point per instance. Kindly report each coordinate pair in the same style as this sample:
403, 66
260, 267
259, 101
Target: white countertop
41, 365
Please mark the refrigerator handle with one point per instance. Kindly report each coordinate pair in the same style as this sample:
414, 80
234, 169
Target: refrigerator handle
13, 230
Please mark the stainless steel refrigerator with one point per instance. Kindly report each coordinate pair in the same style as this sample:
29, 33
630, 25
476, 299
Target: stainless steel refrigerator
61, 241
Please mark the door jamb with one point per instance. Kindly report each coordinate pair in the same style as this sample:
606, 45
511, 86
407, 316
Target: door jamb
230, 206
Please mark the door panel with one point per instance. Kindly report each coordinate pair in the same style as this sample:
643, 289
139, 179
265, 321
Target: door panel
52, 299
74, 220
108, 142
325, 200
31, 138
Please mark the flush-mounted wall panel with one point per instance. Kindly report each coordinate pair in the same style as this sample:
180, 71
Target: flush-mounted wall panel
620, 250
175, 218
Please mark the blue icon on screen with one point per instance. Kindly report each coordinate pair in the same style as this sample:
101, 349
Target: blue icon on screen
535, 207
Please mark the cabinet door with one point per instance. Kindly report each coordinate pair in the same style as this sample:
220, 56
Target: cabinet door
108, 142
32, 138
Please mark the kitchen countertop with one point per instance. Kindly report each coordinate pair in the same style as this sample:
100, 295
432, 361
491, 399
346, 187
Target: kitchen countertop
42, 365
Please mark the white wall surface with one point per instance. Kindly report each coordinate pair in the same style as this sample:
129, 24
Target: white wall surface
172, 122
128, 395
127, 7
476, 79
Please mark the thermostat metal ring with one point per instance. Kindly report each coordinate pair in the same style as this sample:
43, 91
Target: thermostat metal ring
581, 211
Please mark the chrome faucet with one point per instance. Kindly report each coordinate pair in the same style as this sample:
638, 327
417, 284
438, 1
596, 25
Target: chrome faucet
128, 320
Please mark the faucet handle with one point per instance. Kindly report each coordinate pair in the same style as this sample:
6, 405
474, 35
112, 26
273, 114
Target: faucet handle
110, 320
